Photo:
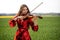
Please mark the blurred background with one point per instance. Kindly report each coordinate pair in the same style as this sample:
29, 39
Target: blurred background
49, 26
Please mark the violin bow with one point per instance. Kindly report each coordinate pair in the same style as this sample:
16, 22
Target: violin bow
37, 6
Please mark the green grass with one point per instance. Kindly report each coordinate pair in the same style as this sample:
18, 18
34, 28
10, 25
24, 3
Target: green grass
49, 29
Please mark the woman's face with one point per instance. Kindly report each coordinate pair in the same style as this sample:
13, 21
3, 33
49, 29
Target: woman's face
24, 10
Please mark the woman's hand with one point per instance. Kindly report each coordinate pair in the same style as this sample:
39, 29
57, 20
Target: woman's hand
21, 17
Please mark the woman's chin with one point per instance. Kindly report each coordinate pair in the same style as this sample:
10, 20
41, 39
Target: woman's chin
24, 14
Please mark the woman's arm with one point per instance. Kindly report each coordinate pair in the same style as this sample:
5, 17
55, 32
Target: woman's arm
12, 22
33, 23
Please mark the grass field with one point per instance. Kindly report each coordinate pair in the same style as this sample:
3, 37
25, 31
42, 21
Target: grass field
49, 29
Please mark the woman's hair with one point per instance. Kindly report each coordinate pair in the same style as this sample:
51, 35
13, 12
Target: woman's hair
21, 8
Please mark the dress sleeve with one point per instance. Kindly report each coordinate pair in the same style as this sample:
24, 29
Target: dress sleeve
12, 23
34, 27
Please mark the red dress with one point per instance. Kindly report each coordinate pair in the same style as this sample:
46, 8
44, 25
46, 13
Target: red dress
23, 26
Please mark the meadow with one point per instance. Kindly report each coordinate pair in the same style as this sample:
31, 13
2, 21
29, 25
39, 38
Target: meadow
49, 29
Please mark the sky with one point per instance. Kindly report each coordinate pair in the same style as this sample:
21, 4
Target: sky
13, 6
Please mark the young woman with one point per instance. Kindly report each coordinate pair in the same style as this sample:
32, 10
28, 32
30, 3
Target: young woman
24, 20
